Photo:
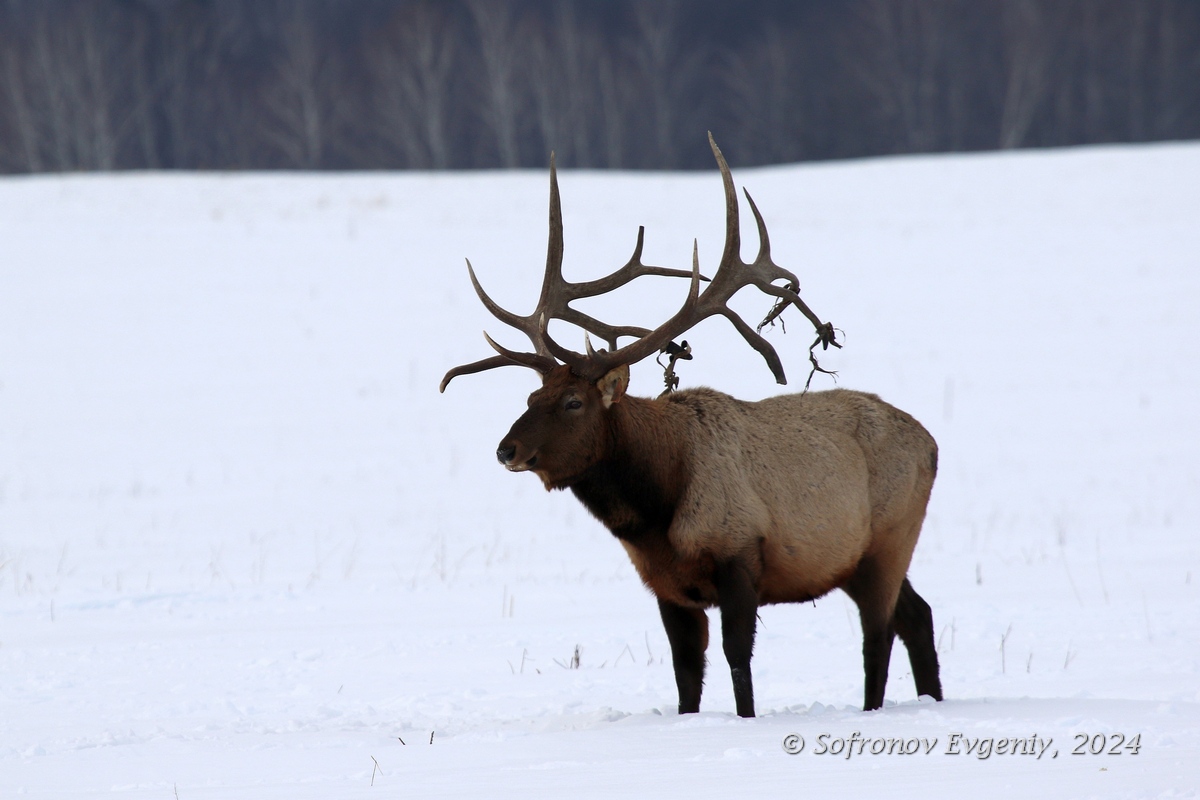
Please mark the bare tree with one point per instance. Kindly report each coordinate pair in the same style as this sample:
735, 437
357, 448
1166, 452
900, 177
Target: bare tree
21, 148
963, 70
613, 83
68, 81
412, 66
547, 95
662, 74
1176, 71
1135, 70
579, 91
209, 52
902, 65
575, 88
765, 90
146, 91
297, 97
1094, 51
1167, 55
50, 83
95, 82
500, 50
88, 84
181, 61
1028, 50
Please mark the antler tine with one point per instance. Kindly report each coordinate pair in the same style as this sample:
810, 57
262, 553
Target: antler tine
500, 313
554, 248
684, 319
733, 230
764, 241
580, 364
768, 271
551, 303
506, 358
733, 274
533, 325
472, 368
634, 268
609, 333
557, 292
760, 344
542, 364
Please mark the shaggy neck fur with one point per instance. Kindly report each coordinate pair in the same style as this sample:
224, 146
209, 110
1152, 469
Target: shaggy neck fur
637, 483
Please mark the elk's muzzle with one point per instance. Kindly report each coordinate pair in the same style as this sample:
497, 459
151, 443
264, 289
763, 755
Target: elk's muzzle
515, 457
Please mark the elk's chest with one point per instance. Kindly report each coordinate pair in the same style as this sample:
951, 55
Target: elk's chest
629, 502
684, 581
639, 514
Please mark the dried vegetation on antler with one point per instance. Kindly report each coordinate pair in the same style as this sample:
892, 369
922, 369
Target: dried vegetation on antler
732, 275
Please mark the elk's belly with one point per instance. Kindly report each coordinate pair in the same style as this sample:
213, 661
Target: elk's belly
789, 583
783, 572
799, 567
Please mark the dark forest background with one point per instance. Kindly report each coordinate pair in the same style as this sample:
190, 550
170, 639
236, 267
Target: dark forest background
414, 84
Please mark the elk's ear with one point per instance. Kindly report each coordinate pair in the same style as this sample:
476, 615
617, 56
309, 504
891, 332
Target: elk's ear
613, 385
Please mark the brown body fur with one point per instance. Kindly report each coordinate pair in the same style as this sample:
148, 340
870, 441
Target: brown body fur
799, 488
722, 502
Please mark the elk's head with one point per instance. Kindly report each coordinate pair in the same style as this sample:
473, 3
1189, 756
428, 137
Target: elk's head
565, 429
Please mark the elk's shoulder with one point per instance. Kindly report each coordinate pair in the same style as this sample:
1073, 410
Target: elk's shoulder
703, 404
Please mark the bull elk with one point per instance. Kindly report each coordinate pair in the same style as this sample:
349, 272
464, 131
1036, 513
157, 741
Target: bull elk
717, 501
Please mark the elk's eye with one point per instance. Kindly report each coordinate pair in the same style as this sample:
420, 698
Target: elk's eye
573, 404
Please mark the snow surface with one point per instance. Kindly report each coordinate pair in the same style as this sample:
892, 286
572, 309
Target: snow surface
248, 551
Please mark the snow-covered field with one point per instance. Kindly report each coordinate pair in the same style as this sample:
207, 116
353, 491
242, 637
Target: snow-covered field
248, 551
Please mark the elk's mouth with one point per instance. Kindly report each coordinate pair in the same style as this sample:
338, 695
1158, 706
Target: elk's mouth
528, 465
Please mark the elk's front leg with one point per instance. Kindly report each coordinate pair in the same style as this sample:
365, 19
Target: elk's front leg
687, 631
738, 599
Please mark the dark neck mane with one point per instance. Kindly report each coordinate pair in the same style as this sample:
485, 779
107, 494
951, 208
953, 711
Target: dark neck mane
635, 488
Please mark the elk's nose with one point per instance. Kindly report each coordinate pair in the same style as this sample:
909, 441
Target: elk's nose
505, 454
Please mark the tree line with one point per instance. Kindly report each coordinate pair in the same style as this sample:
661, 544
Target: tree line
425, 84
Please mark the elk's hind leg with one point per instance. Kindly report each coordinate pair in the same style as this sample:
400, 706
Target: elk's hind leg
913, 622
687, 631
876, 601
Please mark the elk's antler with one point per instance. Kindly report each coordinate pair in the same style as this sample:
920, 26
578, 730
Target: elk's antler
554, 303
733, 274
